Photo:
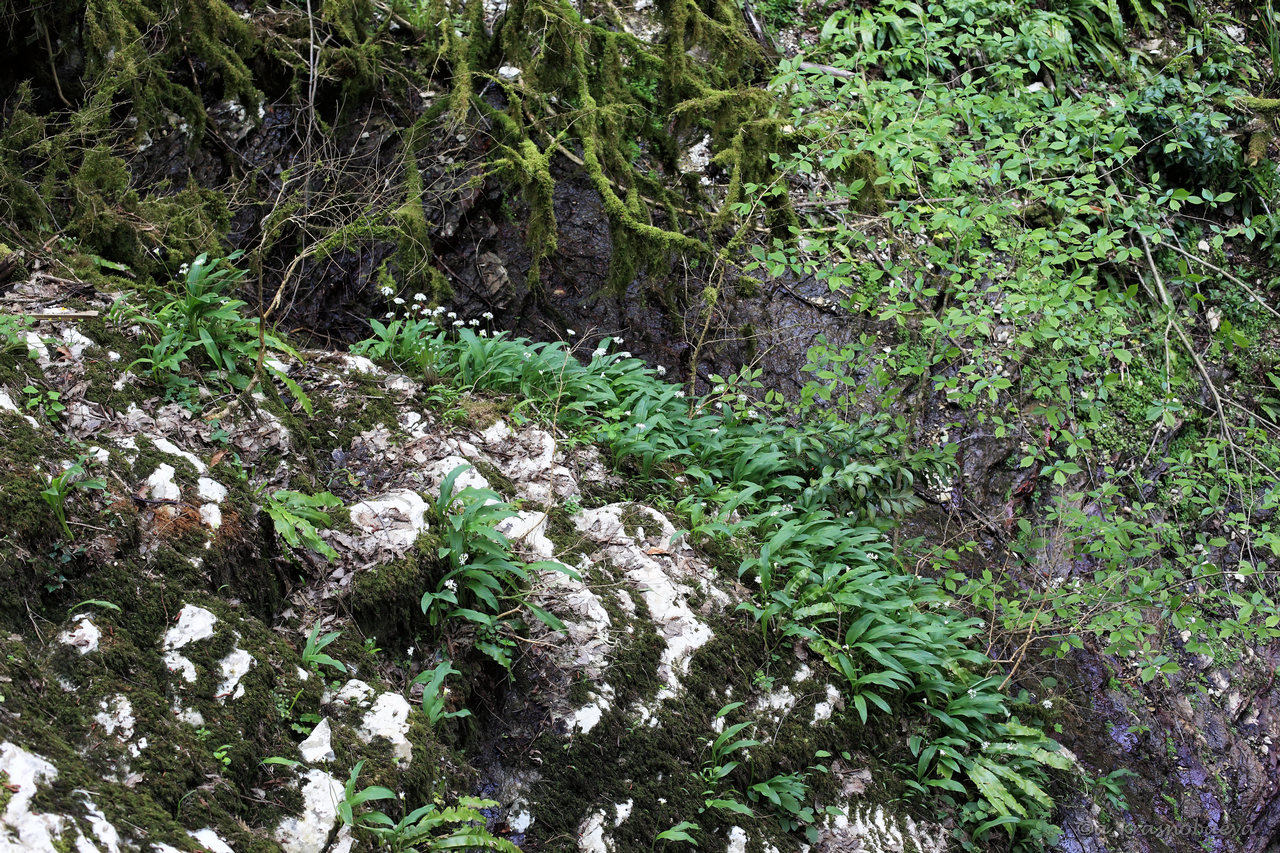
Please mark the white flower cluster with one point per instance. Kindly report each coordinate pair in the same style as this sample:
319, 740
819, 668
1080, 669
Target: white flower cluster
437, 316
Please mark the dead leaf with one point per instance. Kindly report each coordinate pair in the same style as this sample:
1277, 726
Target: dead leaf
854, 781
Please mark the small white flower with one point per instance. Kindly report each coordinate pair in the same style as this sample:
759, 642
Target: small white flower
627, 413
662, 371
484, 333
390, 315
184, 269
386, 291
473, 322
680, 394
640, 427
398, 301
451, 585
528, 356
570, 332
618, 341
451, 315
458, 323
488, 315
598, 353
1048, 703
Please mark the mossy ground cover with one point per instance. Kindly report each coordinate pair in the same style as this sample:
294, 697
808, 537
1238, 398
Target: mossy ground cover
133, 566
657, 765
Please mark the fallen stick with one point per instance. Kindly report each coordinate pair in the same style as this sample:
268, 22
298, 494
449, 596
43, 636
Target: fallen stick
55, 315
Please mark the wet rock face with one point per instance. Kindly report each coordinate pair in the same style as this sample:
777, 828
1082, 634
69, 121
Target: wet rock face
1200, 750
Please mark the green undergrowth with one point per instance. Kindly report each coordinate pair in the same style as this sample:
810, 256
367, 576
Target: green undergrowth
1071, 252
815, 497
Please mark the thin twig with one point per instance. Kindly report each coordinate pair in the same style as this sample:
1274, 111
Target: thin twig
57, 84
53, 315
828, 69
1220, 271
1187, 344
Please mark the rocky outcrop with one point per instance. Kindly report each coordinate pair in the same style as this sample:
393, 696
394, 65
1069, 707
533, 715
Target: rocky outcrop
172, 689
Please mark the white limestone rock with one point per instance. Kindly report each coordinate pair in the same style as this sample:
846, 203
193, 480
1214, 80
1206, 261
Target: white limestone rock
441, 468
318, 746
591, 835
7, 404
659, 578
21, 828
208, 489
390, 523
527, 531
160, 485
389, 718
211, 841
164, 445
194, 624
585, 718
233, 667
354, 694
309, 832
83, 638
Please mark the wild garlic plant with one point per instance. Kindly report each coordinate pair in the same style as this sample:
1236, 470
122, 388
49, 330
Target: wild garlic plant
815, 495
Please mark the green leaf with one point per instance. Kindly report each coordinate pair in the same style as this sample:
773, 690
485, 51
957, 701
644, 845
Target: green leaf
287, 762
679, 832
96, 602
110, 265
730, 806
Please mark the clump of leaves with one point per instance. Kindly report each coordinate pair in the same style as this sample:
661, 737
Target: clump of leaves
44, 402
437, 827
429, 827
62, 486
435, 694
298, 516
481, 569
313, 653
203, 324
13, 334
